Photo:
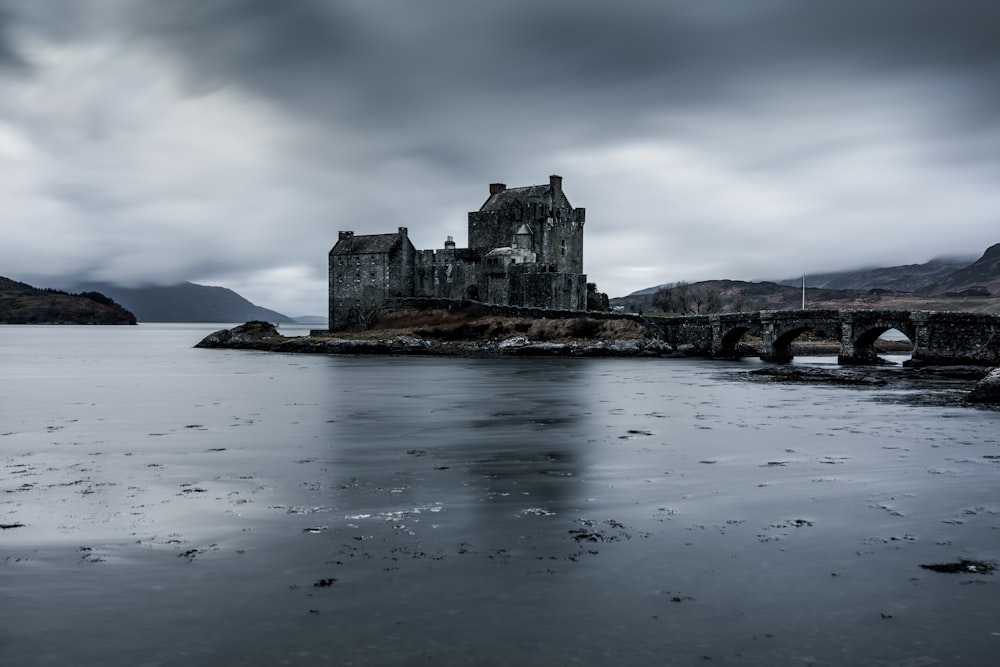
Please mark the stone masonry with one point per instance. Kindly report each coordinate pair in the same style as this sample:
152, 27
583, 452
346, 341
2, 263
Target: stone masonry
525, 249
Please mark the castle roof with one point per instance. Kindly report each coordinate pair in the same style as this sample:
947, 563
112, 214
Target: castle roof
531, 194
368, 244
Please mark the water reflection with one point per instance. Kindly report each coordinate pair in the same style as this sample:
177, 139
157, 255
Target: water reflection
486, 438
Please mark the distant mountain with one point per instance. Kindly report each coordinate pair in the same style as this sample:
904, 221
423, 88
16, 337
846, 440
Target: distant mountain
21, 303
736, 295
186, 302
982, 278
945, 283
908, 278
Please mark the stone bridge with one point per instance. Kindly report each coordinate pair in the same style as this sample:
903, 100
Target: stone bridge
938, 337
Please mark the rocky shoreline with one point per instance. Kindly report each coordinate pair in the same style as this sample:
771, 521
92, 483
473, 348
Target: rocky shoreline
263, 336
977, 384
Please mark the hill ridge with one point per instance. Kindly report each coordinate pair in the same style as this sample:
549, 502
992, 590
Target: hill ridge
186, 302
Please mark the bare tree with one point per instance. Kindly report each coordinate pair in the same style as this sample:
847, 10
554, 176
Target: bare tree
673, 299
706, 300
687, 299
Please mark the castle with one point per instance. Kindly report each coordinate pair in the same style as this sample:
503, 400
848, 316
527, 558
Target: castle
525, 249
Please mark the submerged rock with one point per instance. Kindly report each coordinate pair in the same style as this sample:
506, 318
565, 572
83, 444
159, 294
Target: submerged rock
963, 566
986, 390
836, 376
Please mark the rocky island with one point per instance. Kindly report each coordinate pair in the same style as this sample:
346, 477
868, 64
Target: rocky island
483, 333
465, 333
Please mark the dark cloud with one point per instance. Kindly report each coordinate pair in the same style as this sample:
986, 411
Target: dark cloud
443, 72
721, 139
9, 58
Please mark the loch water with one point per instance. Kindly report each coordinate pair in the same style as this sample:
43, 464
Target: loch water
165, 505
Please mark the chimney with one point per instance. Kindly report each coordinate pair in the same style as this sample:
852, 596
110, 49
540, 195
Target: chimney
497, 187
555, 182
403, 231
345, 235
449, 244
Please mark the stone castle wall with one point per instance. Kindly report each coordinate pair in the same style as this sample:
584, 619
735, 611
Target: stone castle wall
525, 249
479, 308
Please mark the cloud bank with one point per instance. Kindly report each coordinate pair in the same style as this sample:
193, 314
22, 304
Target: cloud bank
228, 142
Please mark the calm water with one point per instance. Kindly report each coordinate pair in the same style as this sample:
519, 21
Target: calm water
171, 506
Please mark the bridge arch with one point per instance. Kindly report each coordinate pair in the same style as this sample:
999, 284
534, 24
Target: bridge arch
937, 337
863, 328
780, 348
729, 338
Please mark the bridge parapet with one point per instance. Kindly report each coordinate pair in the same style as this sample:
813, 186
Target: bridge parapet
952, 338
945, 338
692, 334
794, 315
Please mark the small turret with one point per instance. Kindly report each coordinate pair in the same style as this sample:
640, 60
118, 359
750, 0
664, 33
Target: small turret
523, 238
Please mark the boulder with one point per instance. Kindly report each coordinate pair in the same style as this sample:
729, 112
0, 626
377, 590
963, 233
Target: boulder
514, 341
987, 390
245, 334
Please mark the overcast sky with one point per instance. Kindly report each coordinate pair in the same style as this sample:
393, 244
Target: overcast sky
226, 142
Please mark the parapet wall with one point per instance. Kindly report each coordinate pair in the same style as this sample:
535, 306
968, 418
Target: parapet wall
695, 332
478, 308
956, 338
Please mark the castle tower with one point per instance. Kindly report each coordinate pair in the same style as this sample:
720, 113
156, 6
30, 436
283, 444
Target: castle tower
557, 227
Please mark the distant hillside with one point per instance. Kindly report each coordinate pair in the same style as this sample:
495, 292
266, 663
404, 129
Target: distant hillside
940, 284
746, 296
21, 303
908, 278
186, 302
738, 295
982, 278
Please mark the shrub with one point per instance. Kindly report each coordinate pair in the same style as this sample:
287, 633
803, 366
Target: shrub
582, 327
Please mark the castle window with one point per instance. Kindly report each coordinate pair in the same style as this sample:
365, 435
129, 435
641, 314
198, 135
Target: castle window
562, 248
